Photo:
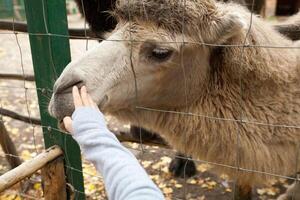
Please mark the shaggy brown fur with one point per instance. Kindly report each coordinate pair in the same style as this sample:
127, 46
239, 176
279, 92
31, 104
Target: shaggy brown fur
221, 97
270, 92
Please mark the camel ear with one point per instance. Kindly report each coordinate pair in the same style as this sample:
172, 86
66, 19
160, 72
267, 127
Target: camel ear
227, 26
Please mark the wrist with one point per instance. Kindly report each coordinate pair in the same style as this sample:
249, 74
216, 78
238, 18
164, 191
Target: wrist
86, 118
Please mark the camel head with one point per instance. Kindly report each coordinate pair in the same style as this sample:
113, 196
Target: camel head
154, 58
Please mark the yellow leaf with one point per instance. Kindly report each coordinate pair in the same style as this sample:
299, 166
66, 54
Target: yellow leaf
157, 165
166, 159
203, 167
37, 186
26, 155
212, 183
146, 163
91, 187
14, 131
162, 185
224, 176
167, 190
154, 177
165, 169
9, 197
272, 191
173, 181
261, 191
228, 190
192, 181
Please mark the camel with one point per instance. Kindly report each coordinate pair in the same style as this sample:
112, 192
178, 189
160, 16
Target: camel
97, 16
172, 73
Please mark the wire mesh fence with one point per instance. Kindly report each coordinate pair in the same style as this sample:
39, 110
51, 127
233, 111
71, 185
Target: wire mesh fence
26, 92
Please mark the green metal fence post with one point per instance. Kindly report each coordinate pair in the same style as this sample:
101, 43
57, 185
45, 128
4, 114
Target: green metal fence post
47, 22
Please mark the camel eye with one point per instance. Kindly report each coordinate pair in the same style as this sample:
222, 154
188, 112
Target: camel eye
161, 54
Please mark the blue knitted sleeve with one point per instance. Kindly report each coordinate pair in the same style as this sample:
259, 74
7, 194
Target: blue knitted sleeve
123, 176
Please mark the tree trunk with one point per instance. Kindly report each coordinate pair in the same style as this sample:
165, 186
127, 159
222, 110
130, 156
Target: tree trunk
9, 147
54, 182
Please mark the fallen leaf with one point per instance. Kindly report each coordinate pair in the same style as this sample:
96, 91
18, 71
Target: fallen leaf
167, 190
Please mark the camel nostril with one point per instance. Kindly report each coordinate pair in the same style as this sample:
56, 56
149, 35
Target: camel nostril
67, 88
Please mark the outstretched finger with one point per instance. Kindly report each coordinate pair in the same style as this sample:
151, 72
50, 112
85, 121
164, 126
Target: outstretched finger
68, 124
76, 97
84, 96
92, 103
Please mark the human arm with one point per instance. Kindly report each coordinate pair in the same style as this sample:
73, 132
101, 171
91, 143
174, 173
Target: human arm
123, 176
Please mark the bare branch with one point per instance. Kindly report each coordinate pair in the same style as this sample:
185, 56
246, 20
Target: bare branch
17, 77
17, 116
9, 147
29, 167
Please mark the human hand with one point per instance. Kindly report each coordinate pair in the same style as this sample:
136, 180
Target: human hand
81, 99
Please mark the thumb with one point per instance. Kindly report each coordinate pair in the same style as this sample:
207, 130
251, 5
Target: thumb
68, 123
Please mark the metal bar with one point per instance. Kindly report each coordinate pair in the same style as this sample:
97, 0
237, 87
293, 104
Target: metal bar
50, 55
74, 33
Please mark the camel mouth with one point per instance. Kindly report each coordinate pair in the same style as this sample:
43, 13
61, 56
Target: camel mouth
60, 106
51, 108
67, 89
60, 124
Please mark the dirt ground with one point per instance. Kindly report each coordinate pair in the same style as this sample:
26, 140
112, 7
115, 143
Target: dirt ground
29, 141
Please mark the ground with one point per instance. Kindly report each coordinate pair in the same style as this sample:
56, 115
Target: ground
29, 141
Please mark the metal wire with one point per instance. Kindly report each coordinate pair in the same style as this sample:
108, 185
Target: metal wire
266, 46
25, 89
143, 150
240, 121
185, 92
